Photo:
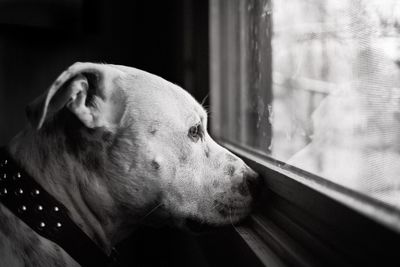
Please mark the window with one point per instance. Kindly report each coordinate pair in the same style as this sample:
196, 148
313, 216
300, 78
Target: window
308, 92
319, 90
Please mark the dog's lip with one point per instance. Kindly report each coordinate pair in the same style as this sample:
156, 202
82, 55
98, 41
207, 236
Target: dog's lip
226, 209
197, 227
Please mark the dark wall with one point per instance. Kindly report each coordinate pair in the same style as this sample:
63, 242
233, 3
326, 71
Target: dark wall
39, 39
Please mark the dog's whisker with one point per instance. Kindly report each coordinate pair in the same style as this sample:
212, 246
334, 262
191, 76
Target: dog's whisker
214, 207
207, 109
151, 211
210, 114
204, 99
230, 217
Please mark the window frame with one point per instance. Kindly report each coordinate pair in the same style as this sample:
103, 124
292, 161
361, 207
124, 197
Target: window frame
302, 219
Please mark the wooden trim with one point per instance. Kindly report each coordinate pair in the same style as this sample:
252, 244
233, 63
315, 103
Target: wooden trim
305, 220
375, 209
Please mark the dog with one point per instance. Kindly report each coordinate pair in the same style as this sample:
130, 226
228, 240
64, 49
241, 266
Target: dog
114, 145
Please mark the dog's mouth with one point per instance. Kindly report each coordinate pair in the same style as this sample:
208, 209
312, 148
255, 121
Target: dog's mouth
198, 227
226, 215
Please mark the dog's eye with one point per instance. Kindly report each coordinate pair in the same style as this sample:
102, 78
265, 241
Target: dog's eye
195, 132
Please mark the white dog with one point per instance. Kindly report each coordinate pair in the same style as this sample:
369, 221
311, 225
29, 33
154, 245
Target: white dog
113, 144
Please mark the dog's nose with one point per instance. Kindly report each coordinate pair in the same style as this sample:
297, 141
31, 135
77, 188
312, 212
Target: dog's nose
253, 181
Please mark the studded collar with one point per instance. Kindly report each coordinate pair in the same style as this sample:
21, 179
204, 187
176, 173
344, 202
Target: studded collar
23, 196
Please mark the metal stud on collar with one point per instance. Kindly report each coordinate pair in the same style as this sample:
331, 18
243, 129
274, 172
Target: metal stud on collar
3, 163
18, 176
25, 205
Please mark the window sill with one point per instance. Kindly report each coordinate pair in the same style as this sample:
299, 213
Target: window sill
305, 220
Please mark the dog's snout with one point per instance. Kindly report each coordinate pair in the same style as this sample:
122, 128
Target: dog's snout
253, 181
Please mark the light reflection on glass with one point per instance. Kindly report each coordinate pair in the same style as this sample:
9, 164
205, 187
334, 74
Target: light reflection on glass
313, 83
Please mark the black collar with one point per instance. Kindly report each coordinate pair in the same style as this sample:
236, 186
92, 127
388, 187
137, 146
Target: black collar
22, 195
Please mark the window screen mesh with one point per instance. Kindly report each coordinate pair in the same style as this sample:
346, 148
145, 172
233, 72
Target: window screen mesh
314, 83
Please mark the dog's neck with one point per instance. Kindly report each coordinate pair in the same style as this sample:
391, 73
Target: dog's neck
61, 174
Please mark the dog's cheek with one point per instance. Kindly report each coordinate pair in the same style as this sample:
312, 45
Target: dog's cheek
183, 194
159, 167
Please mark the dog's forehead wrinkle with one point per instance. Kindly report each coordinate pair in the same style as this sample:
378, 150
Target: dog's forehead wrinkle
168, 105
155, 88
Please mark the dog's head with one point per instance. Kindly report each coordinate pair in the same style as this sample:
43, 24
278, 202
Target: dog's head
149, 138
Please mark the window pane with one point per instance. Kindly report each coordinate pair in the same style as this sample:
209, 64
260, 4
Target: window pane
314, 83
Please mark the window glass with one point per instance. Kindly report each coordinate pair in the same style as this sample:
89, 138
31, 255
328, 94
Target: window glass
313, 83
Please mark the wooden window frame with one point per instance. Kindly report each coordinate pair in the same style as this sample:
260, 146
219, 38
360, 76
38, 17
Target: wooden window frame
305, 220
300, 219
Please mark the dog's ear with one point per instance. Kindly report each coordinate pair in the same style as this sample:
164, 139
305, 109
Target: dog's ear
87, 90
